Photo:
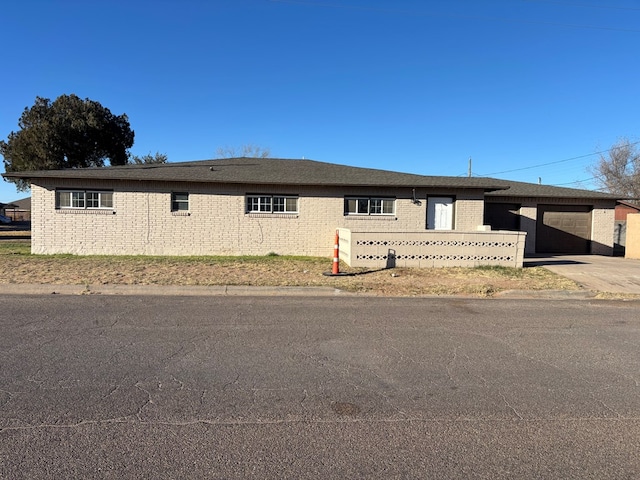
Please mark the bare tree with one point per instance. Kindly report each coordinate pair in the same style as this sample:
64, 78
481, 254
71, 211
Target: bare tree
619, 171
246, 150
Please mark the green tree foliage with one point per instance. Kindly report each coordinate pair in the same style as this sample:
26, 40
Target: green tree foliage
619, 171
148, 158
66, 133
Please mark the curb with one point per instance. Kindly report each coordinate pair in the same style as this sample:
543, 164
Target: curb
548, 294
266, 291
168, 290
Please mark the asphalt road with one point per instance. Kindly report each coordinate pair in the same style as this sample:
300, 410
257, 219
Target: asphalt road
331, 387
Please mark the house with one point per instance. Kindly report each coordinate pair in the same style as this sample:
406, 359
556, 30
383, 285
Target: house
3, 217
17, 211
250, 206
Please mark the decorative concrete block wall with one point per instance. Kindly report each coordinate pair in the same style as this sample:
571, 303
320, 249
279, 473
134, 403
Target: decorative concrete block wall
432, 249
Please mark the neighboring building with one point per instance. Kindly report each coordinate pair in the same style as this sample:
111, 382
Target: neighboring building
620, 230
18, 211
250, 206
625, 208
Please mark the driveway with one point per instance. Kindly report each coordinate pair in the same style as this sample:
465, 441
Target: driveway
594, 272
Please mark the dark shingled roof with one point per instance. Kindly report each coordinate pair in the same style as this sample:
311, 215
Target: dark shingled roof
522, 189
277, 171
271, 171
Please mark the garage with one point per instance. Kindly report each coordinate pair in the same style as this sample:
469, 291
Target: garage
563, 229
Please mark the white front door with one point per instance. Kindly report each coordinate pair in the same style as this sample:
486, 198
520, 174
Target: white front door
440, 213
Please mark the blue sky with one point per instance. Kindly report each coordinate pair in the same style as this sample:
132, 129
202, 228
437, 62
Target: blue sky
528, 89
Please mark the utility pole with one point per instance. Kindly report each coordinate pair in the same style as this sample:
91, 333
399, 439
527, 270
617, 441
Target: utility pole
469, 174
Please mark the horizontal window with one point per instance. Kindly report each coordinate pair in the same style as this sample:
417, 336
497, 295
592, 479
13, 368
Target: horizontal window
179, 202
272, 204
369, 206
84, 199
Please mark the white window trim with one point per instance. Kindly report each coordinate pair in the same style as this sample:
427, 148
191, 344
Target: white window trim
260, 197
84, 193
369, 214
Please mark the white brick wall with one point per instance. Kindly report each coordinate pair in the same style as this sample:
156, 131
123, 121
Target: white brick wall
602, 229
142, 222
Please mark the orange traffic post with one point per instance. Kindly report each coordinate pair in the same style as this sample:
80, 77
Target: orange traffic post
336, 255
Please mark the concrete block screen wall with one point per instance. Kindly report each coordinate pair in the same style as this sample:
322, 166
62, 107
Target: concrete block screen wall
432, 249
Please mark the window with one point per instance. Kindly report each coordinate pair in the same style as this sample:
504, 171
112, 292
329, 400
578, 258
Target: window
440, 213
272, 204
369, 206
179, 201
84, 199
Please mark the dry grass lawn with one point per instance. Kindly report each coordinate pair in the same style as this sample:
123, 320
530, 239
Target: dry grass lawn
17, 265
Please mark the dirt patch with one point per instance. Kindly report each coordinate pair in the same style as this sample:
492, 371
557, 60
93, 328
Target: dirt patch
17, 265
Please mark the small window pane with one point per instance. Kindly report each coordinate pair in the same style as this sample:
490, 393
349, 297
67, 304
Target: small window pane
265, 204
77, 199
106, 200
363, 205
387, 206
64, 199
278, 204
92, 199
376, 206
291, 205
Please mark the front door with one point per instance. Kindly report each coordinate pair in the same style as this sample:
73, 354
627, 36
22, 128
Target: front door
440, 213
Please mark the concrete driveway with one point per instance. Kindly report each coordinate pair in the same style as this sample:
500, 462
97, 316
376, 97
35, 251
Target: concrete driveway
594, 272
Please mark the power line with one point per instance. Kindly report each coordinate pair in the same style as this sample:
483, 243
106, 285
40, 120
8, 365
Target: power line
558, 161
575, 182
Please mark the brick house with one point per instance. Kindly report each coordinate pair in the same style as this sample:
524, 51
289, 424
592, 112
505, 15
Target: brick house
249, 206
18, 210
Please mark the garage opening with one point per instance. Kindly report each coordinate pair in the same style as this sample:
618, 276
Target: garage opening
563, 229
502, 216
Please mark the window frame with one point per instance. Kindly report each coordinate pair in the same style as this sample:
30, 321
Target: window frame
79, 199
176, 202
359, 202
265, 203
